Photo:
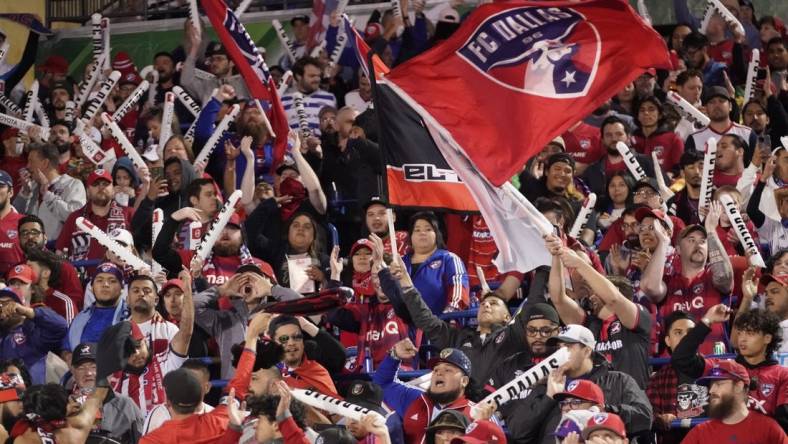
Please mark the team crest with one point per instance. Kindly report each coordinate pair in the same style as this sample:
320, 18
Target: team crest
500, 338
600, 418
547, 52
471, 427
19, 338
436, 264
11, 234
572, 385
357, 389
615, 327
18, 269
445, 353
767, 389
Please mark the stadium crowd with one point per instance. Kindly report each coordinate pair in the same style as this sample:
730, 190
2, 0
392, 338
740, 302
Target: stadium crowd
673, 325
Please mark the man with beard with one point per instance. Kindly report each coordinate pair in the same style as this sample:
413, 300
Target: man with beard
451, 376
12, 388
696, 278
102, 211
219, 65
689, 85
142, 298
60, 136
695, 52
59, 94
377, 223
729, 166
141, 379
32, 237
535, 418
731, 420
45, 192
120, 417
108, 310
307, 73
29, 333
10, 250
687, 200
613, 130
718, 105
756, 335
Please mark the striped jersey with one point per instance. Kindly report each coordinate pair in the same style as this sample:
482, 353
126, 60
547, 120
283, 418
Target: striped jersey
313, 103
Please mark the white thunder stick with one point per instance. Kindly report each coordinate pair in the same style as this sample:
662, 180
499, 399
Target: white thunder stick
152, 89
90, 149
130, 101
105, 48
632, 163
9, 105
158, 222
4, 50
205, 247
68, 114
90, 80
194, 16
187, 100
482, 280
31, 98
689, 110
707, 13
392, 233
583, 215
22, 125
734, 216
752, 75
525, 381
303, 122
241, 8
643, 11
43, 119
335, 406
341, 5
101, 95
165, 132
284, 40
125, 145
286, 77
707, 180
728, 16
195, 234
97, 39
120, 251
664, 191
336, 53
210, 145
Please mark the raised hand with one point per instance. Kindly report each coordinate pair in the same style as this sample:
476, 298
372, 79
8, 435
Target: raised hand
553, 244
285, 397
193, 214
405, 349
336, 263
718, 313
713, 218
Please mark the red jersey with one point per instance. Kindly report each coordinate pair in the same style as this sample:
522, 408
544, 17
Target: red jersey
695, 295
69, 284
403, 243
482, 252
81, 245
720, 179
582, 143
379, 330
218, 269
666, 144
771, 389
10, 251
310, 376
754, 429
722, 52
12, 166
423, 410
147, 389
61, 304
612, 168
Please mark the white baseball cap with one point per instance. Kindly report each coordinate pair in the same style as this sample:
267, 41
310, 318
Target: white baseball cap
574, 334
122, 236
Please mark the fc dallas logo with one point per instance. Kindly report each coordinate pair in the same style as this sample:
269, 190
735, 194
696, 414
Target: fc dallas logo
547, 52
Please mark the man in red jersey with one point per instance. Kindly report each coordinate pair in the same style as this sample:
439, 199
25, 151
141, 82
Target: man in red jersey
10, 252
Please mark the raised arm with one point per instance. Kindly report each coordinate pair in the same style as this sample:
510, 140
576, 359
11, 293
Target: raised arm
651, 282
719, 263
247, 181
308, 177
567, 308
180, 342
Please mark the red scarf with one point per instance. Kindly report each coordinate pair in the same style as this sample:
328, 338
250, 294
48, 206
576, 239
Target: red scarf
362, 284
45, 429
295, 189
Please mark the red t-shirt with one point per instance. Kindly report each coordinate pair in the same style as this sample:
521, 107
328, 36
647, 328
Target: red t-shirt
81, 245
611, 168
720, 179
771, 389
12, 166
482, 252
668, 146
582, 143
10, 252
755, 429
722, 52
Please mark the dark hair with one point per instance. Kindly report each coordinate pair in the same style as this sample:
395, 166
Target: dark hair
563, 209
751, 103
612, 120
738, 141
49, 260
24, 373
62, 122
629, 181
776, 41
695, 40
276, 68
317, 246
685, 76
164, 54
656, 102
31, 218
431, 219
47, 400
47, 151
773, 260
265, 405
668, 322
767, 20
194, 188
299, 66
143, 277
197, 364
280, 321
764, 322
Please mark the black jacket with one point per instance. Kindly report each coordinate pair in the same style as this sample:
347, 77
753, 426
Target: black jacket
596, 180
535, 418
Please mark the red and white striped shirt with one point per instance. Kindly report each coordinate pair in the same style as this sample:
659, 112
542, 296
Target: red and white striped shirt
147, 389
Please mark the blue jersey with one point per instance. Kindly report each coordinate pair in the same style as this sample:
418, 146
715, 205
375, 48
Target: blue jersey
442, 281
33, 339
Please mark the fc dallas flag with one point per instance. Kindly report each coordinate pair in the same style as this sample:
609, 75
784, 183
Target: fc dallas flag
243, 52
517, 74
361, 49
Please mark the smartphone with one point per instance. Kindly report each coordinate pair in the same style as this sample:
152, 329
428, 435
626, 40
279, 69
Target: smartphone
156, 173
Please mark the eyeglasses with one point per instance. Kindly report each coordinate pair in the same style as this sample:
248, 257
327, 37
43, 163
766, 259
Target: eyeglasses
284, 338
646, 193
631, 226
643, 228
573, 403
544, 331
30, 233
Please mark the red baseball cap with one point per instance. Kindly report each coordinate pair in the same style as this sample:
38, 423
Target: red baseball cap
361, 243
644, 212
582, 389
56, 64
177, 283
766, 278
260, 267
725, 369
22, 272
99, 174
481, 432
607, 421
11, 386
235, 219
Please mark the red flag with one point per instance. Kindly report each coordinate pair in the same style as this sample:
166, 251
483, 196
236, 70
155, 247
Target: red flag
517, 74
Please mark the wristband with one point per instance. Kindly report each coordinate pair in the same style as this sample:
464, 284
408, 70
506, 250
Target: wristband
706, 321
393, 354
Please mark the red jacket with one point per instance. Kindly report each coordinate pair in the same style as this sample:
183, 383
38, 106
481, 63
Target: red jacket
10, 252
420, 413
291, 433
311, 376
667, 144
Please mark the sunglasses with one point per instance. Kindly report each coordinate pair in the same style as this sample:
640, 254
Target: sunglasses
284, 338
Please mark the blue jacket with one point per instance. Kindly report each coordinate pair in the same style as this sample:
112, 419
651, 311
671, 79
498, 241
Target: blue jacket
33, 339
396, 395
442, 281
80, 320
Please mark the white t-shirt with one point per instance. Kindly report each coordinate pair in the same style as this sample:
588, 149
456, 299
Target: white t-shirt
159, 415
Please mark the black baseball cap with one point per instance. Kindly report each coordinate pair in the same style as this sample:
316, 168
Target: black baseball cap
541, 311
647, 182
377, 200
284, 166
182, 388
214, 48
301, 17
716, 91
560, 157
366, 394
83, 353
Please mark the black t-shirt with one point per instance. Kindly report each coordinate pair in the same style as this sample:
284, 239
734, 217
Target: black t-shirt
627, 350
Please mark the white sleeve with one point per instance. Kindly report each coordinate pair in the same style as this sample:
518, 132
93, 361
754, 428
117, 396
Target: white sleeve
169, 360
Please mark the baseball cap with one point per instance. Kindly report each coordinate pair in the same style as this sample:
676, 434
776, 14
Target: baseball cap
481, 432
177, 283
12, 293
122, 236
724, 369
377, 200
130, 77
9, 133
261, 268
691, 229
449, 419
182, 388
56, 64
766, 278
11, 387
110, 268
454, 357
647, 182
335, 435
559, 141
573, 421
651, 71
574, 334
366, 394
559, 157
607, 421
84, 352
372, 31
541, 311
644, 212
22, 272
715, 91
235, 219
214, 48
99, 174
359, 244
301, 17
5, 178
582, 389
